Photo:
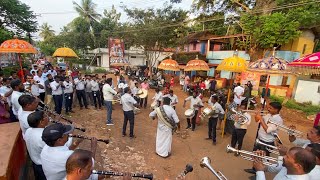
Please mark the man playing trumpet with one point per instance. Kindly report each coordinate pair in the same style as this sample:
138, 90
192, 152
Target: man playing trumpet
313, 136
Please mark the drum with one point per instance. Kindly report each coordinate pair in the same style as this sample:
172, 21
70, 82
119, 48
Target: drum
207, 112
154, 105
189, 113
142, 93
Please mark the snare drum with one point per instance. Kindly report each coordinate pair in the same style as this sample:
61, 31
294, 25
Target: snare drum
207, 111
154, 105
189, 113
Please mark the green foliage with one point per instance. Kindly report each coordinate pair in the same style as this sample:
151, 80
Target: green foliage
291, 104
99, 70
46, 31
5, 34
184, 57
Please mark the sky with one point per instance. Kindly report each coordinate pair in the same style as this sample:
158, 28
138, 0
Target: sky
58, 13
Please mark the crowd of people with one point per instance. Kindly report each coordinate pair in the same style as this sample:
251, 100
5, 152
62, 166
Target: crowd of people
52, 152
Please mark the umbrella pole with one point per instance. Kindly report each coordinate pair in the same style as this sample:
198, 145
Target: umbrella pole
225, 114
20, 63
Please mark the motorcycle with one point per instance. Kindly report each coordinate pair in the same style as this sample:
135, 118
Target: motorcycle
250, 103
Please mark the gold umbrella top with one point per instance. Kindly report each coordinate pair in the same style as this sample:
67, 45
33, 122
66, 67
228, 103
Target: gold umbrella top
169, 64
17, 46
233, 64
64, 52
197, 65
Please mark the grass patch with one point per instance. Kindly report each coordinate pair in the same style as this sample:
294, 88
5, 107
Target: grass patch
292, 104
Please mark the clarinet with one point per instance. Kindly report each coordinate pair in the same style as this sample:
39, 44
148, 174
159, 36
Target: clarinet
78, 128
188, 169
89, 138
110, 173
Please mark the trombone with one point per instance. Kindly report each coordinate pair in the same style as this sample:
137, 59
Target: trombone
205, 162
270, 148
255, 111
290, 131
268, 161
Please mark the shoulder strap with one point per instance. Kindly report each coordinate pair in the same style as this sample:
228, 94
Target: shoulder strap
162, 118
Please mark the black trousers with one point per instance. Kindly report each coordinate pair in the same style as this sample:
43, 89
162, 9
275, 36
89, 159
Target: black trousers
58, 103
143, 102
229, 127
237, 137
38, 172
212, 128
42, 96
128, 116
81, 95
262, 147
96, 97
68, 99
192, 124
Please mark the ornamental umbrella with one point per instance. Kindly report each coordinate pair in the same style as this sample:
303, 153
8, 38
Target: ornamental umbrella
65, 52
169, 64
197, 65
309, 64
17, 46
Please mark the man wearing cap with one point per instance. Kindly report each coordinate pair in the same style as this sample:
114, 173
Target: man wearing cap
108, 94
55, 154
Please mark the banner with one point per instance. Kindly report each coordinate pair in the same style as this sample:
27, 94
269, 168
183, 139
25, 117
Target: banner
116, 53
254, 78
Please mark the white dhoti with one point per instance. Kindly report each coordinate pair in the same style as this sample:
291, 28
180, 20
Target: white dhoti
164, 140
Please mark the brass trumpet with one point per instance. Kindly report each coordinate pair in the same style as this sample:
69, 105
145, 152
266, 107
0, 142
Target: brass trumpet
205, 162
270, 148
290, 131
268, 161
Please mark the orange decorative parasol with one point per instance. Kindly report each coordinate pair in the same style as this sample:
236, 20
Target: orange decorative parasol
197, 65
169, 64
65, 52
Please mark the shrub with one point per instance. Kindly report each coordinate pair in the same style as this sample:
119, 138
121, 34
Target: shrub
100, 70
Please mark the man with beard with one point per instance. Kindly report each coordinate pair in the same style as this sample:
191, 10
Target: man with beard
313, 136
297, 163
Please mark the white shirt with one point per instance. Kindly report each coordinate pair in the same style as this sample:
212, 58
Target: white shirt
314, 174
127, 102
52, 72
218, 110
3, 91
68, 87
194, 101
301, 142
282, 175
170, 112
158, 96
41, 81
88, 85
56, 88
79, 84
173, 99
23, 120
266, 135
134, 91
34, 143
94, 85
245, 125
54, 161
14, 101
239, 90
108, 92
207, 83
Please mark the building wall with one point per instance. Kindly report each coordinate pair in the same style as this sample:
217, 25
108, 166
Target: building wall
304, 44
308, 90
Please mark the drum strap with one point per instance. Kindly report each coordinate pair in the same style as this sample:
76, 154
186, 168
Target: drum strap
165, 119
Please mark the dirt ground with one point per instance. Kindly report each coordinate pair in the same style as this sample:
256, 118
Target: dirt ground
138, 155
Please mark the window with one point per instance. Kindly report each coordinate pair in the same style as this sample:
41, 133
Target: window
194, 46
304, 48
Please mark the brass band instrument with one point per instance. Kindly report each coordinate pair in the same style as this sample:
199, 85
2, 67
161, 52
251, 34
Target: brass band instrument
270, 148
242, 118
247, 155
255, 111
89, 138
188, 169
205, 162
290, 131
78, 128
110, 173
208, 112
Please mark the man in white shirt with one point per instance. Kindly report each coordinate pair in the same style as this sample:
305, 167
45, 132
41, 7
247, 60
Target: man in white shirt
313, 136
212, 123
39, 82
238, 92
157, 97
173, 99
108, 94
195, 103
37, 122
96, 92
18, 88
297, 163
128, 104
135, 91
168, 121
80, 90
55, 153
29, 104
56, 87
88, 89
68, 94
266, 130
314, 148
240, 129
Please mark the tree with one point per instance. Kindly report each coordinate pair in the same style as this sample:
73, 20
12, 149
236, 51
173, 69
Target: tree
143, 29
46, 31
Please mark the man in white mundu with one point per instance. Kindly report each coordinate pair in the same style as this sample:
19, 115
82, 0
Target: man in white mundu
238, 92
167, 123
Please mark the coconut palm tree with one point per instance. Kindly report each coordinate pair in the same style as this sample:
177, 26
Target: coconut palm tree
86, 9
46, 31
